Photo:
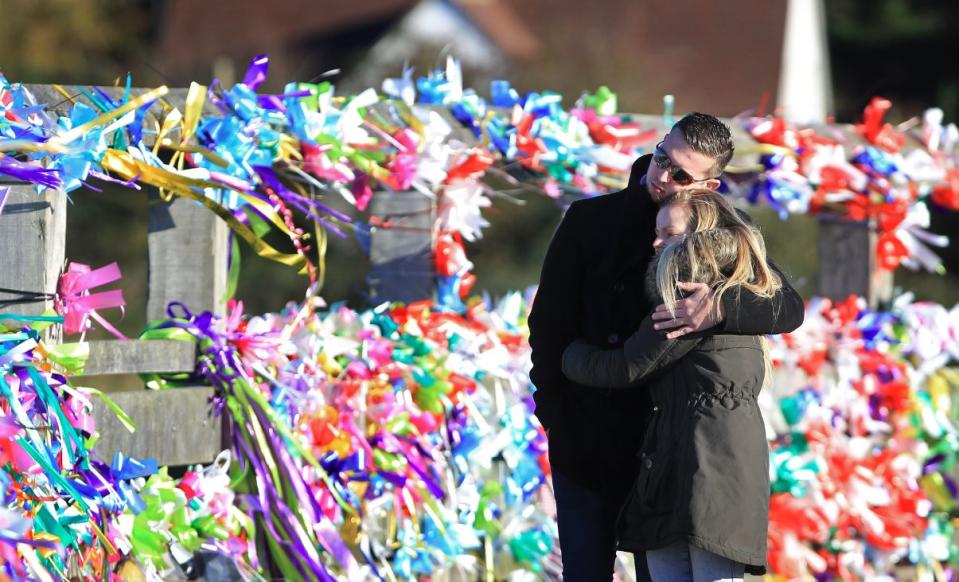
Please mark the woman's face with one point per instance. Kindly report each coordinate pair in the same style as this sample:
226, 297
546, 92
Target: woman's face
672, 222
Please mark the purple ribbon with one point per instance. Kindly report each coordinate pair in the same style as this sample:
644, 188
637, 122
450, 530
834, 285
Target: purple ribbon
30, 173
256, 72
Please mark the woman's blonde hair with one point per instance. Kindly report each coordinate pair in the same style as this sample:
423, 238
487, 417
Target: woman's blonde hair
721, 250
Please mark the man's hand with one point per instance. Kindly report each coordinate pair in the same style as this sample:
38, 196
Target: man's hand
696, 312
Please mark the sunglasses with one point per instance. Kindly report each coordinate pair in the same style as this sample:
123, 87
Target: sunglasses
679, 175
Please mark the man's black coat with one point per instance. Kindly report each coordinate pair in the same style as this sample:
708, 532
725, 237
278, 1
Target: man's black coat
592, 287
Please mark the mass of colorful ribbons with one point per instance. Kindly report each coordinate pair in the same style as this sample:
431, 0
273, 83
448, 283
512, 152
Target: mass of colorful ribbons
862, 420
399, 442
262, 161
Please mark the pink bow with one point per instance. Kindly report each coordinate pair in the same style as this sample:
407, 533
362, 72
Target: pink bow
77, 304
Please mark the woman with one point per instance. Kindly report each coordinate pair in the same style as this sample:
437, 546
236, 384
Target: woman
699, 504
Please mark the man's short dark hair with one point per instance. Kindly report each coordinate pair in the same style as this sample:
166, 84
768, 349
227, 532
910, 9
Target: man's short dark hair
709, 136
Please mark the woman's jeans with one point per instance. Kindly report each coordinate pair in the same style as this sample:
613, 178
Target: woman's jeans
587, 533
682, 562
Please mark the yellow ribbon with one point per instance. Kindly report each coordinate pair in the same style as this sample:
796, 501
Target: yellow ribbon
187, 123
125, 165
25, 145
195, 149
195, 99
136, 103
936, 489
764, 149
170, 122
321, 244
167, 179
289, 148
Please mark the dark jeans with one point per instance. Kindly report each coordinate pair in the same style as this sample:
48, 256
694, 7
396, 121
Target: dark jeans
587, 533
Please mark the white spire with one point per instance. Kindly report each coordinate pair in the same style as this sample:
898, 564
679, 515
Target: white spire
805, 91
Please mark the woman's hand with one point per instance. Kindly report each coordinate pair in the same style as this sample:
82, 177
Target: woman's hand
695, 312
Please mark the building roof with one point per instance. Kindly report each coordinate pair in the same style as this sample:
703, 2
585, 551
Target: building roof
193, 34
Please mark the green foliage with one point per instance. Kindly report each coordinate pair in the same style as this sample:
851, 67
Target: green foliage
71, 41
899, 49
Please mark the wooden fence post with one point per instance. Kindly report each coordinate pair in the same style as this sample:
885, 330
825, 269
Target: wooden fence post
401, 248
33, 230
847, 261
188, 248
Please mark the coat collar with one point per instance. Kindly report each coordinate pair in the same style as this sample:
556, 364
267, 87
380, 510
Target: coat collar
638, 199
637, 220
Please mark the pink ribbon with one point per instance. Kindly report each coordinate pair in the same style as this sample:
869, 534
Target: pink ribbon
78, 305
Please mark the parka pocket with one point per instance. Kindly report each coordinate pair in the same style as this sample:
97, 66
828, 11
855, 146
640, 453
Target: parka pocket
656, 480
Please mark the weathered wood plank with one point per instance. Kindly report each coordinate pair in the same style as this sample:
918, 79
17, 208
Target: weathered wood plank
847, 261
401, 255
33, 229
173, 426
135, 357
188, 248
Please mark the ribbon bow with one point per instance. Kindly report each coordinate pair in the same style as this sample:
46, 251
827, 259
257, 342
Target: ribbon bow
76, 303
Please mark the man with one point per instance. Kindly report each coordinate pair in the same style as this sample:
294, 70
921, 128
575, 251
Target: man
591, 287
